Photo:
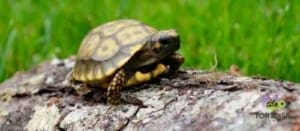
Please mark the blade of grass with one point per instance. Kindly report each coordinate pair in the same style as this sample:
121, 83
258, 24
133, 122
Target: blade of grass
8, 48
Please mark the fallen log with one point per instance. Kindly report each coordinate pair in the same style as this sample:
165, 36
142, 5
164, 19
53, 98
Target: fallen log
43, 99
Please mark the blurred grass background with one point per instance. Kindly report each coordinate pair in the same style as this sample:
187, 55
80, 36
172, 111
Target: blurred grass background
262, 37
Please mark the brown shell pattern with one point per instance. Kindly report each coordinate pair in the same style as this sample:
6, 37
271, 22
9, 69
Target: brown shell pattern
108, 47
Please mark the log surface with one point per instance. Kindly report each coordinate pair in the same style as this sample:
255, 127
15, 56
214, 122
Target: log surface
43, 99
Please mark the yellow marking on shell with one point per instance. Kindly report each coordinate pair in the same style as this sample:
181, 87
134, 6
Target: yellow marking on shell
74, 72
120, 59
122, 62
88, 45
97, 29
111, 25
108, 68
113, 29
109, 71
101, 27
135, 48
81, 71
90, 71
98, 72
106, 49
160, 69
77, 74
132, 34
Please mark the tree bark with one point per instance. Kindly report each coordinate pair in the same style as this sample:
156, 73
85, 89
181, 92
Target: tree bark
43, 99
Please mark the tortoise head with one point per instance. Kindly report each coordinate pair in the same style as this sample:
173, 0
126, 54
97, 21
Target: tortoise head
164, 43
157, 47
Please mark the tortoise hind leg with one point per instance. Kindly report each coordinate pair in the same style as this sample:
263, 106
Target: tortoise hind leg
114, 88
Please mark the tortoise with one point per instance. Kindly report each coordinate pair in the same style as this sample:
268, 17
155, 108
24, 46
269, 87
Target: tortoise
124, 53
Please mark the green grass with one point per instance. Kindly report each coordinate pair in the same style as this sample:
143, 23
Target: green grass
262, 37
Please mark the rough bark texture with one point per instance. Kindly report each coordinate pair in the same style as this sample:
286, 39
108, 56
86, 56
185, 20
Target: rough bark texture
42, 99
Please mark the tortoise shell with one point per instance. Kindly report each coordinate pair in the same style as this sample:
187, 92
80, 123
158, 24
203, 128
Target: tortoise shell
108, 47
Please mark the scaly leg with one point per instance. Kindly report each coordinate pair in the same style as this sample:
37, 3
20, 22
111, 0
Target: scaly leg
114, 88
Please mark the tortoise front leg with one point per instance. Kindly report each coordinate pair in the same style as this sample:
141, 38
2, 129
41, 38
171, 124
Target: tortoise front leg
114, 88
174, 61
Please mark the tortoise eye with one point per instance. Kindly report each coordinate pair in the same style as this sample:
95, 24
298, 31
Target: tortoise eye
164, 41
